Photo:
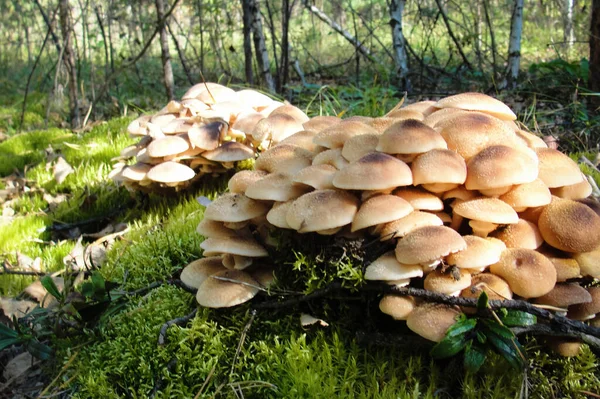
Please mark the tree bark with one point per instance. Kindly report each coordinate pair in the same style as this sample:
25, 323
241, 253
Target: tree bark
514, 45
260, 47
452, 36
286, 13
396, 8
247, 30
69, 60
181, 54
594, 74
569, 34
164, 49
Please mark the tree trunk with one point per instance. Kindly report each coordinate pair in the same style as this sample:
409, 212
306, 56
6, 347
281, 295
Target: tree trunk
260, 47
594, 74
164, 49
247, 29
69, 60
396, 8
286, 13
514, 45
569, 34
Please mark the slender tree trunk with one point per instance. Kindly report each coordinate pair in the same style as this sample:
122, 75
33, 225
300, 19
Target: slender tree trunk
514, 46
569, 34
479, 34
181, 54
164, 49
488, 21
200, 7
594, 74
396, 8
104, 39
260, 47
271, 25
110, 42
49, 25
247, 30
286, 13
69, 60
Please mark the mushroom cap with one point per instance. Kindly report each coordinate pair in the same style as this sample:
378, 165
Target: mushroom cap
526, 195
242, 179
410, 137
399, 307
428, 244
168, 145
480, 252
284, 158
592, 203
198, 88
374, 171
302, 139
432, 320
380, 209
487, 210
405, 114
439, 166
277, 215
293, 111
420, 199
238, 288
244, 246
569, 226
318, 123
358, 146
494, 286
478, 102
207, 136
317, 176
331, 157
424, 107
234, 208
500, 166
441, 114
589, 262
275, 187
522, 234
586, 311
580, 190
564, 295
557, 169
170, 172
245, 122
446, 283
253, 98
216, 94
336, 135
322, 210
136, 172
230, 151
275, 127
529, 273
530, 140
199, 270
387, 268
410, 222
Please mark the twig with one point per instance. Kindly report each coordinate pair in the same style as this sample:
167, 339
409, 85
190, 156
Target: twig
162, 335
335, 286
560, 331
206, 380
62, 370
242, 339
589, 163
451, 33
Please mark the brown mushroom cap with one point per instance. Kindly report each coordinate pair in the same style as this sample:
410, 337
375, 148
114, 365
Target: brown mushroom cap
410, 222
336, 135
322, 210
380, 209
588, 310
387, 268
227, 288
399, 307
284, 158
207, 136
494, 286
432, 320
242, 179
522, 234
480, 252
168, 145
374, 171
170, 172
532, 194
557, 169
428, 244
589, 262
439, 166
331, 157
293, 111
136, 172
564, 295
275, 127
199, 270
317, 176
410, 137
358, 146
529, 273
235, 208
244, 246
447, 283
405, 114
570, 226
275, 187
478, 102
485, 209
319, 123
302, 139
580, 190
278, 213
230, 151
424, 107
420, 199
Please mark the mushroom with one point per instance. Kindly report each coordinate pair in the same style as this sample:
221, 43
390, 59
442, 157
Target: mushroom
432, 320
485, 214
399, 307
439, 170
447, 282
235, 208
478, 102
380, 209
199, 270
322, 210
374, 171
227, 288
387, 268
412, 221
479, 253
336, 135
428, 245
409, 138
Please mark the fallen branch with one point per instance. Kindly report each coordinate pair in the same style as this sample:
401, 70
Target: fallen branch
180, 321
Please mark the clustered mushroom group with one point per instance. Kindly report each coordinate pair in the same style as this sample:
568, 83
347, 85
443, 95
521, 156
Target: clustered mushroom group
468, 201
205, 133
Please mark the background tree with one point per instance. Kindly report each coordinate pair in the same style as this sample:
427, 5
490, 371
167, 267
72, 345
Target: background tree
164, 49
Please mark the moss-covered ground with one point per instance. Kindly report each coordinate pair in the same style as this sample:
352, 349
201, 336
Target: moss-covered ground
237, 353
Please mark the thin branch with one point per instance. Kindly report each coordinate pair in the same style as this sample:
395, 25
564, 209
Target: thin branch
180, 321
451, 33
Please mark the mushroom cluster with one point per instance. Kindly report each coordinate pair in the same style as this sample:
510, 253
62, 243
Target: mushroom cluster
205, 133
466, 200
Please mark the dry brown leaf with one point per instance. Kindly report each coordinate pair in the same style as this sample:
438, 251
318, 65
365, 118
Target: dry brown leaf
61, 170
17, 308
75, 259
17, 366
54, 201
37, 291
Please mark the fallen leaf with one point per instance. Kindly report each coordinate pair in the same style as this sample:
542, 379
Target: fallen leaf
308, 320
61, 170
37, 291
74, 259
54, 201
17, 366
24, 262
95, 255
17, 308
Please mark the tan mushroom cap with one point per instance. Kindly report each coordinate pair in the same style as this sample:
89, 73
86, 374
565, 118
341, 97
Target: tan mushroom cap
410, 137
589, 262
383, 122
412, 221
317, 176
254, 98
358, 146
137, 127
557, 169
532, 194
592, 203
399, 307
387, 268
447, 283
319, 123
570, 226
302, 139
436, 117
199, 270
490, 211
564, 295
170, 172
275, 187
460, 193
168, 145
439, 168
405, 114
284, 158
424, 107
432, 320
162, 119
212, 228
278, 213
322, 210
336, 135
479, 253
242, 179
275, 127
293, 111
531, 140
380, 209
331, 157
230, 151
478, 102
469, 133
237, 262
564, 347
566, 268
198, 88
227, 288
374, 171
207, 136
522, 234
245, 122
494, 286
500, 166
235, 208
588, 310
244, 246
420, 199
428, 245
216, 94
529, 273
136, 172
580, 190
